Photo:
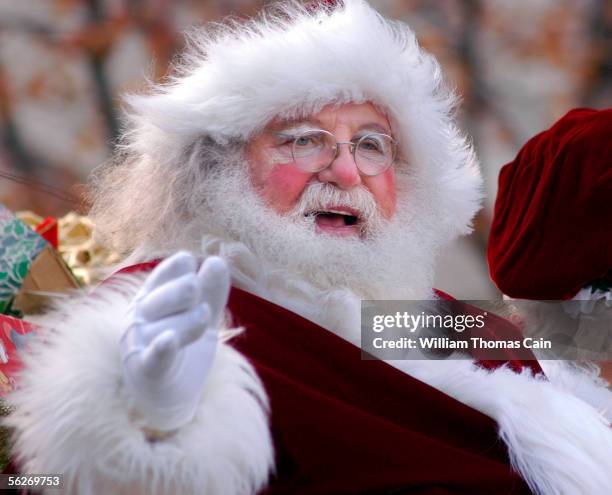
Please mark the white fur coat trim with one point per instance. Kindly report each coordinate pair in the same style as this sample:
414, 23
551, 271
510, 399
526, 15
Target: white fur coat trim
73, 417
582, 381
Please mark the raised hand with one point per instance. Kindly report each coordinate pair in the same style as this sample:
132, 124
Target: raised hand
169, 348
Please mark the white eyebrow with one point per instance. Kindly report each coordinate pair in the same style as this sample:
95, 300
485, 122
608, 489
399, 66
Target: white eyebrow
376, 128
299, 125
295, 122
296, 127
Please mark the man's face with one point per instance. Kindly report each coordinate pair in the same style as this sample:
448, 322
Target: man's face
258, 197
281, 183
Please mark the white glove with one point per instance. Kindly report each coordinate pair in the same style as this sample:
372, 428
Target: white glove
169, 348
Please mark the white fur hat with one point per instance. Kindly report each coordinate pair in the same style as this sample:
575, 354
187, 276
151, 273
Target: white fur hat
293, 61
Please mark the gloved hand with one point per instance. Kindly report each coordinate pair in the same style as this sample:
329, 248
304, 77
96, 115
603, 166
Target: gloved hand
168, 349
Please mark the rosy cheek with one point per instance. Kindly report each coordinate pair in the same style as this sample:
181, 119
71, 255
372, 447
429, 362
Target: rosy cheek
383, 188
283, 187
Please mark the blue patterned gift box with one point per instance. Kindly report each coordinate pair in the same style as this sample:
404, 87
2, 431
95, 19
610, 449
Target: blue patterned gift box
19, 246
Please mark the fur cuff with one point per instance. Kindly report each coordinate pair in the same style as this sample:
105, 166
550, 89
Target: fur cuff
73, 416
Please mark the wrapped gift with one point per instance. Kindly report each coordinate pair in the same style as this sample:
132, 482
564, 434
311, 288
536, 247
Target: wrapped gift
72, 235
30, 268
14, 335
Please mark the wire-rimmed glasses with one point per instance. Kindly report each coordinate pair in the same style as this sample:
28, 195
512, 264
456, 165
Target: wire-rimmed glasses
315, 150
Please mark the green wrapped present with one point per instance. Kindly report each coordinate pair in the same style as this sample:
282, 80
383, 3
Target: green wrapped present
19, 247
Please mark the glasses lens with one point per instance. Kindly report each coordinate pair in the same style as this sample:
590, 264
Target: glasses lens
375, 153
313, 150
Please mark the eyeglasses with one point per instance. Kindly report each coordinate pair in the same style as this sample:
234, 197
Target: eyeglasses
314, 151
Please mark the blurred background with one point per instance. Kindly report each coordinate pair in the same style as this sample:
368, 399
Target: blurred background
518, 64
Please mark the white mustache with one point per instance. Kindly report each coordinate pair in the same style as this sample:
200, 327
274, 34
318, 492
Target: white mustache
319, 196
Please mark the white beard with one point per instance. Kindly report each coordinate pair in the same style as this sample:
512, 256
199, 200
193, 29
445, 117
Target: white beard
390, 262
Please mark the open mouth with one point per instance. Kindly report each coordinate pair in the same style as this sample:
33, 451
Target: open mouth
340, 221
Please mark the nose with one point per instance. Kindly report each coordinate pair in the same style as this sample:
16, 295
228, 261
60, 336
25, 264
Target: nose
343, 171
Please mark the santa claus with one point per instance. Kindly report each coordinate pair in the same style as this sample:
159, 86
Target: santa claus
311, 159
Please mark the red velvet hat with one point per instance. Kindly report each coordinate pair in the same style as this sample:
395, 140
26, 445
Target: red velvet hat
552, 227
